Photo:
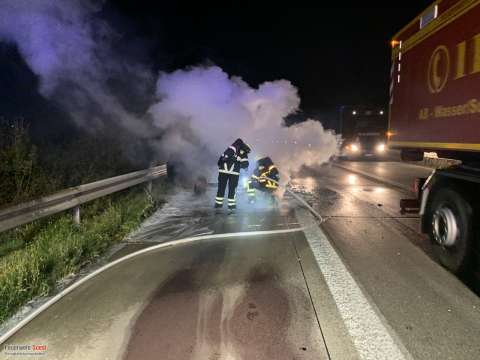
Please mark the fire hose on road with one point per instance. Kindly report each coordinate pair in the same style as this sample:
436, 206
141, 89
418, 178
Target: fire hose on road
299, 199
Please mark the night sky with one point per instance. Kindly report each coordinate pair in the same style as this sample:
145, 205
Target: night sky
334, 56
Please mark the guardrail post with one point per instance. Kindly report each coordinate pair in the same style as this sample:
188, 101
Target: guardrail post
67, 199
76, 215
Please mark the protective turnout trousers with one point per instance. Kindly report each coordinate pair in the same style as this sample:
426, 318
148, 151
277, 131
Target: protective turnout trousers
266, 187
223, 180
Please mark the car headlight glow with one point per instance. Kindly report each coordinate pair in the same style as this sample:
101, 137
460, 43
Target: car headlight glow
354, 147
381, 147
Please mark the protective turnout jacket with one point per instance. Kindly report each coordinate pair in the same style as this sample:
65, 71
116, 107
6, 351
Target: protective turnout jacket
265, 170
234, 158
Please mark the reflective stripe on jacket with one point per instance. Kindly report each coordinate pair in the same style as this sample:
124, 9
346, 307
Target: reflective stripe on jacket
231, 163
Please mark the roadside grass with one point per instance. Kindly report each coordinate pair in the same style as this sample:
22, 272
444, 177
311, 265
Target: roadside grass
37, 255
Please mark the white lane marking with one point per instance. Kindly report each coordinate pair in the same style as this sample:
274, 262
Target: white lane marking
371, 336
172, 243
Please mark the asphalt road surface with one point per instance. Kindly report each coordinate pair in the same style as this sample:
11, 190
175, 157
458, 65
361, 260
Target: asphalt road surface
433, 313
361, 286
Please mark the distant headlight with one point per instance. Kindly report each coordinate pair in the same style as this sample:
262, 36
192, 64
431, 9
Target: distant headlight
381, 147
354, 147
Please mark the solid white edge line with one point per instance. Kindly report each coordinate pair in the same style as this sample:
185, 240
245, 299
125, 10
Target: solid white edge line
366, 316
371, 335
172, 243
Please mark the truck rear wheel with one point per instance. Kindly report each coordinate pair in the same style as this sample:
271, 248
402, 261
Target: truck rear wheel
451, 230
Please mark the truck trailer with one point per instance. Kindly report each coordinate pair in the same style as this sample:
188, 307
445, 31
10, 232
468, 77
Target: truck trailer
435, 107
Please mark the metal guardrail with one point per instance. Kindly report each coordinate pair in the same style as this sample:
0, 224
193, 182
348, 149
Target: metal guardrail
74, 197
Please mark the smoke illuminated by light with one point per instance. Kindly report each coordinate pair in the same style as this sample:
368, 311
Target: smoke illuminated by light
204, 105
199, 111
68, 46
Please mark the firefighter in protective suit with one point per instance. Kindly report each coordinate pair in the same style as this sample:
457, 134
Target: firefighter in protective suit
265, 178
229, 165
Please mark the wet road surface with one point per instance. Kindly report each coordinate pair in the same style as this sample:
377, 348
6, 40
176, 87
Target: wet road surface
241, 298
433, 313
273, 296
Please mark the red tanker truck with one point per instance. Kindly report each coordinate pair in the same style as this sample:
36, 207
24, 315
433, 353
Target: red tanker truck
435, 107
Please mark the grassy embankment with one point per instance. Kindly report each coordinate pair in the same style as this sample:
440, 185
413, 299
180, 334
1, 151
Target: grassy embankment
35, 256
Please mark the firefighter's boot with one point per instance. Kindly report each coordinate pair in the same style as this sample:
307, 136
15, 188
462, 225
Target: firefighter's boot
218, 202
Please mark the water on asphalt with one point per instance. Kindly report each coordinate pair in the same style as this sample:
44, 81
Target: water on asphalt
267, 296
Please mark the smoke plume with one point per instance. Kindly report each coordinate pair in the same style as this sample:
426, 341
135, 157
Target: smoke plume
200, 111
69, 47
203, 105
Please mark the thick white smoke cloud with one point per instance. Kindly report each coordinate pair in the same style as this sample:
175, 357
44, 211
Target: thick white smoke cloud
218, 109
200, 111
69, 47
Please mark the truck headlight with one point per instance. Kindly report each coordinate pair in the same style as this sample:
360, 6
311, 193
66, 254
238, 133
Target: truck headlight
381, 147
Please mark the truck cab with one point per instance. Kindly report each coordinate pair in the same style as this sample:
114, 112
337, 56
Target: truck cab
363, 130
